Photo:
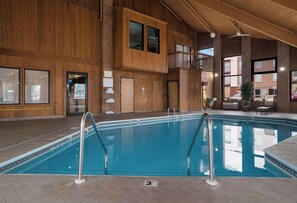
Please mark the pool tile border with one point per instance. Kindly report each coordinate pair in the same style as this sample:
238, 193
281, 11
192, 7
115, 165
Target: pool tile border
282, 166
38, 152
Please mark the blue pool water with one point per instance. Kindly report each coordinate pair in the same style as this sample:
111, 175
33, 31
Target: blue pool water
161, 149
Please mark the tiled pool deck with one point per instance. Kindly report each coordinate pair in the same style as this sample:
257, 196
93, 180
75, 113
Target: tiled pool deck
18, 137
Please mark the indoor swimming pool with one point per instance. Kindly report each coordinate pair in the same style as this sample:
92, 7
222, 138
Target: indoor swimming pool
158, 147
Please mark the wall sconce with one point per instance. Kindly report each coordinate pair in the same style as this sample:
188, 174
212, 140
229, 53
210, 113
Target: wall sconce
216, 75
142, 90
282, 69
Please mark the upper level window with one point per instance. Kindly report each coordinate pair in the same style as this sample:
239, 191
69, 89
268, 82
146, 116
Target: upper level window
208, 51
264, 66
153, 40
9, 85
136, 35
36, 87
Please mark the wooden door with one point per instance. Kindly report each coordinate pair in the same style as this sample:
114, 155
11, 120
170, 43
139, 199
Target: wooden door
173, 94
127, 95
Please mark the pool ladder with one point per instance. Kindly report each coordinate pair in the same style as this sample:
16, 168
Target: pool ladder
80, 178
204, 116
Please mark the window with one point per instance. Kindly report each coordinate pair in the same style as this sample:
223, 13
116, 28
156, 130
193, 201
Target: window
183, 57
9, 85
264, 77
272, 91
153, 40
258, 78
294, 86
36, 87
265, 65
136, 35
208, 51
232, 78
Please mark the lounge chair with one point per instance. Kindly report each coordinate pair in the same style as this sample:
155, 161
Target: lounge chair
268, 104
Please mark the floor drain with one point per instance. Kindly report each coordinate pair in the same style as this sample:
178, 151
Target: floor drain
151, 183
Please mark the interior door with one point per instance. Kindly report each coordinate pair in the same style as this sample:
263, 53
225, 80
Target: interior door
127, 95
76, 95
173, 94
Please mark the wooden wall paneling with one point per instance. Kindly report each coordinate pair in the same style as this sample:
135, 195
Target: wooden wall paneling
178, 38
204, 41
159, 95
155, 9
293, 58
19, 24
146, 101
58, 36
136, 59
262, 49
230, 47
184, 90
143, 97
48, 30
195, 92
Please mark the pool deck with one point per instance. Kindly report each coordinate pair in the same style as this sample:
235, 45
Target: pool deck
18, 137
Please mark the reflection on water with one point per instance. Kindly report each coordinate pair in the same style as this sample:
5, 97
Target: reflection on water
161, 149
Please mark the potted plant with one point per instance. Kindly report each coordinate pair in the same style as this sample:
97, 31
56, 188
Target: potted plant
247, 93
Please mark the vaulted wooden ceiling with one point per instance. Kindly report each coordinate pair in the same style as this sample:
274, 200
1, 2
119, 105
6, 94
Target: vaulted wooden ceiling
267, 19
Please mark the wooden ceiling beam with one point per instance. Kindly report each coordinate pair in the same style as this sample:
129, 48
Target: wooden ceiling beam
290, 4
234, 24
198, 17
252, 21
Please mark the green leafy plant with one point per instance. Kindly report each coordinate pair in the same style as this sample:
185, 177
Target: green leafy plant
247, 93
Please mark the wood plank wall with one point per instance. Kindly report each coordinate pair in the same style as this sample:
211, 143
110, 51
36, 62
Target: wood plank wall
154, 96
177, 32
55, 35
133, 59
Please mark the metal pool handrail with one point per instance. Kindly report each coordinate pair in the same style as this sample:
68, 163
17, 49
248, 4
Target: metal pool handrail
211, 180
80, 179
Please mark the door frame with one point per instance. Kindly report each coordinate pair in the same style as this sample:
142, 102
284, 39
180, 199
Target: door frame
121, 94
86, 95
168, 92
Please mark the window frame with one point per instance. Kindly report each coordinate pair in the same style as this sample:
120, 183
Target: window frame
265, 72
143, 30
291, 72
19, 89
48, 86
228, 74
147, 36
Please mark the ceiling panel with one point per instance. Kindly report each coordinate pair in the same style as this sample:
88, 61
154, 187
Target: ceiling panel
267, 10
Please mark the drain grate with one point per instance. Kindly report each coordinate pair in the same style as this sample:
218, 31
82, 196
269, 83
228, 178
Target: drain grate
151, 183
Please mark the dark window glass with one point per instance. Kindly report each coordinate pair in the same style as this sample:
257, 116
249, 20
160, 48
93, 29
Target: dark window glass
36, 87
153, 39
136, 35
9, 85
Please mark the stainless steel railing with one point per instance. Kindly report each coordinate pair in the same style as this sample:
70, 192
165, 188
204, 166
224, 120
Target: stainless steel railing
80, 178
211, 180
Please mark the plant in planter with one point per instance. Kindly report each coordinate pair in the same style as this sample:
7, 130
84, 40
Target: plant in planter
247, 93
